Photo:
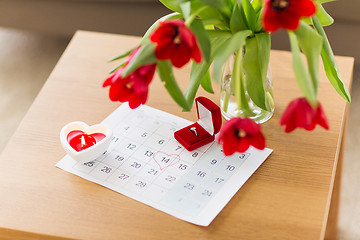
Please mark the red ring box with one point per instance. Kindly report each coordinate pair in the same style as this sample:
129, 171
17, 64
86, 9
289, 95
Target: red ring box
209, 124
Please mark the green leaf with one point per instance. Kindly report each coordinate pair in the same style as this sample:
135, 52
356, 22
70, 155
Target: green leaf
216, 24
164, 69
237, 23
258, 8
310, 43
117, 66
125, 54
156, 23
206, 83
145, 56
323, 1
249, 14
323, 16
197, 73
218, 33
334, 77
203, 39
210, 15
226, 49
259, 21
301, 74
257, 5
255, 65
186, 9
223, 6
173, 5
306, 20
330, 65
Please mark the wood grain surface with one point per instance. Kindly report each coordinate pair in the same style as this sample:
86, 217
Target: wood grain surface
288, 197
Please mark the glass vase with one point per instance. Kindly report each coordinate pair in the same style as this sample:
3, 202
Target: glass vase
230, 106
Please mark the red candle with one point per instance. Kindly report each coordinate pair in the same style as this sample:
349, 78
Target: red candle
79, 140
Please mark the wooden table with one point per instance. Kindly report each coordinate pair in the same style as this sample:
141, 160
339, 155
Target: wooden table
288, 197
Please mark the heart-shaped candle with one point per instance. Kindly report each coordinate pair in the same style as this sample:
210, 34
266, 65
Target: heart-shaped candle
79, 140
85, 143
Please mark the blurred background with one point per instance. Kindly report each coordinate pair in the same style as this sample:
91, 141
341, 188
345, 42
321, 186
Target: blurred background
34, 34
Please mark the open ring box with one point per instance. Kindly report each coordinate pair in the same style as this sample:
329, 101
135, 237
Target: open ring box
203, 131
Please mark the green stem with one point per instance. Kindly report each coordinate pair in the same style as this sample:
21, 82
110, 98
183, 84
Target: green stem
240, 96
244, 100
237, 79
270, 100
194, 15
226, 101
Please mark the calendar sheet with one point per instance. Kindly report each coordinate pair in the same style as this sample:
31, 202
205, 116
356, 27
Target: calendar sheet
146, 163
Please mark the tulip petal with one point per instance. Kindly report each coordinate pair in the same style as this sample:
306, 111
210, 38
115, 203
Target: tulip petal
258, 141
321, 118
235, 138
176, 42
300, 114
230, 143
180, 56
288, 17
243, 145
133, 88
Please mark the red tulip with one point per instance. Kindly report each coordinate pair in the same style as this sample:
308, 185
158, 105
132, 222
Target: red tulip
238, 134
134, 87
286, 13
299, 113
176, 42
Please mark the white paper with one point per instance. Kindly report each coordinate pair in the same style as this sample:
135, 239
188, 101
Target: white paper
146, 163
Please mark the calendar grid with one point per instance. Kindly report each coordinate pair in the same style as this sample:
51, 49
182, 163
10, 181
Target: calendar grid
146, 163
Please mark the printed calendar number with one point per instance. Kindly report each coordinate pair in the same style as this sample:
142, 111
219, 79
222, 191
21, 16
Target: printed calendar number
207, 193
213, 162
148, 153
86, 167
189, 186
123, 176
131, 146
119, 158
219, 180
136, 165
170, 178
114, 159
183, 166
201, 174
230, 168
215, 182
153, 171
106, 169
89, 164
141, 184
165, 159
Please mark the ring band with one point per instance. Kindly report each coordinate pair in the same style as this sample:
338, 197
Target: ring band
193, 129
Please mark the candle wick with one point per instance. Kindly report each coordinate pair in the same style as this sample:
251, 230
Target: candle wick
82, 141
